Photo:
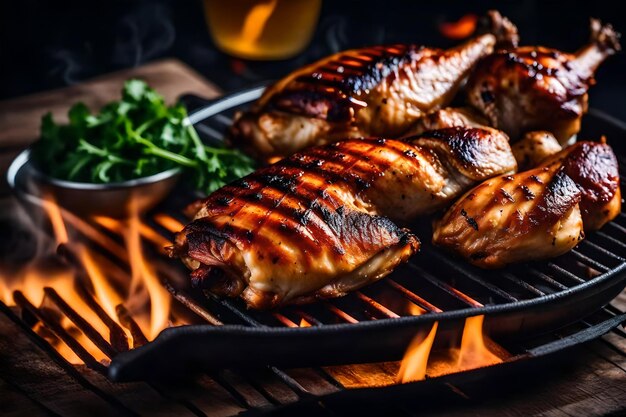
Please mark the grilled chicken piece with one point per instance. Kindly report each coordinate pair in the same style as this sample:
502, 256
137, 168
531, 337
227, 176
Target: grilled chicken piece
534, 148
448, 117
536, 88
534, 214
377, 91
311, 226
502, 28
594, 168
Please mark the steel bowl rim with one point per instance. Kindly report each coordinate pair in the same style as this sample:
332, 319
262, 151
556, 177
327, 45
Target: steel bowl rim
25, 157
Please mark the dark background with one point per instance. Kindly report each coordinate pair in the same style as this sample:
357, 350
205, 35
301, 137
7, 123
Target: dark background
48, 44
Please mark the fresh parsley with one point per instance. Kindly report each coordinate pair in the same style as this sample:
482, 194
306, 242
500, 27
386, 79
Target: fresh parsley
132, 138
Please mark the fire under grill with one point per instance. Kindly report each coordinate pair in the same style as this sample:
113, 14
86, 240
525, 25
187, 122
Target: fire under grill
341, 349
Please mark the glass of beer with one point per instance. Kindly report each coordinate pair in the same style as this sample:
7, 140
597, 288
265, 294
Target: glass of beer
262, 29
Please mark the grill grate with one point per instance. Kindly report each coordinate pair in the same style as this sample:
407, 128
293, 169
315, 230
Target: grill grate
440, 285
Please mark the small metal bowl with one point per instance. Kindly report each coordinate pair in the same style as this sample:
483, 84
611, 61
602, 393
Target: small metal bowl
86, 199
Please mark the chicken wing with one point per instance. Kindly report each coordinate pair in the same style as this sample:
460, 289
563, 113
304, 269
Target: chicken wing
377, 91
537, 88
312, 226
534, 214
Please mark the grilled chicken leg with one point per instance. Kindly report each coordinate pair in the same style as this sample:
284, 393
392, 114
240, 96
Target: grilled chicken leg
377, 91
534, 214
312, 226
536, 88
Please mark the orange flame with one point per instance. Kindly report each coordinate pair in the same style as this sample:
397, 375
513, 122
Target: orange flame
413, 367
460, 29
56, 218
254, 24
147, 302
31, 282
143, 274
474, 353
104, 293
304, 323
169, 223
414, 309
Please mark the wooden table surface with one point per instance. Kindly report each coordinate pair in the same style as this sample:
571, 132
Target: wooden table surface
593, 382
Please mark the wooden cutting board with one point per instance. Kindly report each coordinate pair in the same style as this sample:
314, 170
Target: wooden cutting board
20, 117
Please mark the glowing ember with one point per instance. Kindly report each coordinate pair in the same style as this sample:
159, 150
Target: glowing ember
460, 29
304, 323
255, 23
474, 353
413, 367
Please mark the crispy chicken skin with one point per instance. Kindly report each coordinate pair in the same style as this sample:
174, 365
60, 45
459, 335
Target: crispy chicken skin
536, 88
311, 226
376, 91
534, 214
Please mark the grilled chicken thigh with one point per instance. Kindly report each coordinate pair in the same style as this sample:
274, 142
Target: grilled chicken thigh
534, 214
377, 91
312, 226
536, 88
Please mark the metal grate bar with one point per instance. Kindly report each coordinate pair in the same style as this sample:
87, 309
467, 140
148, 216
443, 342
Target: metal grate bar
193, 305
340, 313
612, 240
376, 305
564, 272
139, 339
588, 261
59, 331
603, 250
447, 288
233, 309
80, 322
117, 336
413, 297
465, 272
547, 279
523, 284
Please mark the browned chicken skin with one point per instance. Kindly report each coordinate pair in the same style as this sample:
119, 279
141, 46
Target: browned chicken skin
376, 91
445, 118
534, 214
312, 226
537, 88
534, 148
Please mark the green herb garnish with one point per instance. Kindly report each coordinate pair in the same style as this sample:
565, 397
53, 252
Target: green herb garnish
132, 138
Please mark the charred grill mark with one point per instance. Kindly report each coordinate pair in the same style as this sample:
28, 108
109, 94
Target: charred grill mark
465, 144
470, 220
528, 194
326, 91
536, 179
507, 196
560, 195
